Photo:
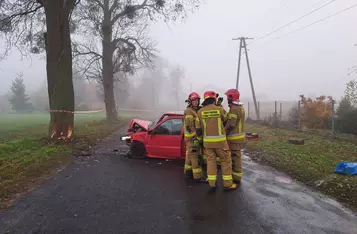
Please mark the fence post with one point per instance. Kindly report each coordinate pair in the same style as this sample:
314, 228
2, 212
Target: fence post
259, 109
299, 116
333, 119
248, 110
281, 111
275, 118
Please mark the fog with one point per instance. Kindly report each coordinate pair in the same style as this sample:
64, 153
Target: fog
313, 61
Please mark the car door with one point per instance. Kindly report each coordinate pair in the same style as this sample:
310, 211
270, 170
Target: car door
165, 141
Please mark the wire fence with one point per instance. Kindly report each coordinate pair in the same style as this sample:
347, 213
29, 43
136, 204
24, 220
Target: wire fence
294, 116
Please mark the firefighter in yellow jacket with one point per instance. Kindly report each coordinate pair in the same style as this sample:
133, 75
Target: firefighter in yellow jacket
193, 149
210, 130
235, 132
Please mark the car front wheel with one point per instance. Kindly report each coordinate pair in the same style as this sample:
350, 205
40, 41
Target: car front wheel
137, 150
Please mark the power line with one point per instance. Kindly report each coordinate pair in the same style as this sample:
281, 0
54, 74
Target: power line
271, 12
318, 21
316, 3
302, 5
284, 26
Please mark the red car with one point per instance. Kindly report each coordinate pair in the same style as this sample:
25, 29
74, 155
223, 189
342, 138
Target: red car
159, 139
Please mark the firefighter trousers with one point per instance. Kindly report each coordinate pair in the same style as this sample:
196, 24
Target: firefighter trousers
226, 165
191, 162
236, 152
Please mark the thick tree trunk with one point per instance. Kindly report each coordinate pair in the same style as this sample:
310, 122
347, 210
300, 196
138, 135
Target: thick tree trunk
59, 68
108, 82
108, 71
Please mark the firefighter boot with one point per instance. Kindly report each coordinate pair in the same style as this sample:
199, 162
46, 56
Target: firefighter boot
189, 174
232, 187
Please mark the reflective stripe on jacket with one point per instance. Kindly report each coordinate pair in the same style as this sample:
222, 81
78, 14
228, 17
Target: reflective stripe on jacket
235, 124
190, 115
210, 120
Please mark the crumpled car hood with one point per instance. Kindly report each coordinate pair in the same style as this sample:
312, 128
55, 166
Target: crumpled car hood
143, 123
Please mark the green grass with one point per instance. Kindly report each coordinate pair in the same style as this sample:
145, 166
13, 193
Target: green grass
26, 154
312, 163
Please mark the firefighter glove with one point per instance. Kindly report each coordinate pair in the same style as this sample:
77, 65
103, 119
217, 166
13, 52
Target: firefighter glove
196, 143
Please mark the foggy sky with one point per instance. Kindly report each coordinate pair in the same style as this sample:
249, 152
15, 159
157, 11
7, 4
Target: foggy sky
312, 61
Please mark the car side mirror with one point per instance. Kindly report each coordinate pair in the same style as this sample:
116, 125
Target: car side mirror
151, 132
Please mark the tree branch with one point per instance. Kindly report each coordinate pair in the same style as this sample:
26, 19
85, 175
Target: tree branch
100, 4
133, 8
114, 6
26, 11
77, 53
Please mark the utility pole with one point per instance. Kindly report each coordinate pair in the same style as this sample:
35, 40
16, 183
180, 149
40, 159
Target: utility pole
243, 44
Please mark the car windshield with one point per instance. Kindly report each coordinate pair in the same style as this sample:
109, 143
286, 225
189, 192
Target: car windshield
156, 121
152, 124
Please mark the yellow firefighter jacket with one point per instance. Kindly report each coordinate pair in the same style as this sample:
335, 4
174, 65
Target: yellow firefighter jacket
235, 124
210, 123
190, 115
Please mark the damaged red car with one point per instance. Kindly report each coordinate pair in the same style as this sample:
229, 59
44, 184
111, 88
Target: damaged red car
158, 139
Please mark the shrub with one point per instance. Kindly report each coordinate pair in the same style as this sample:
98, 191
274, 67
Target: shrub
316, 113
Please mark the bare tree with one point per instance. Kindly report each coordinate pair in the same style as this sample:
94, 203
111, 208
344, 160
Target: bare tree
35, 25
121, 26
131, 50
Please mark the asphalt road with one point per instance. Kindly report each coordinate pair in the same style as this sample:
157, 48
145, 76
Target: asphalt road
108, 193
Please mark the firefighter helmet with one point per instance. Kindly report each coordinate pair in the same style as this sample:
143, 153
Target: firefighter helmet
232, 95
193, 96
210, 94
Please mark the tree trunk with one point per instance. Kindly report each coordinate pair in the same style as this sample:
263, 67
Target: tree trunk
59, 68
108, 71
108, 83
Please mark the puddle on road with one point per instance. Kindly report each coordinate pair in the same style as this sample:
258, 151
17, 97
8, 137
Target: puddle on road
258, 172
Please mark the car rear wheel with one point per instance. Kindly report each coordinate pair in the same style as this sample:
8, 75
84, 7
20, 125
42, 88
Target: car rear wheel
137, 150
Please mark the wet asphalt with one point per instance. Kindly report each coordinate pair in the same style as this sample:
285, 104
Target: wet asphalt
109, 193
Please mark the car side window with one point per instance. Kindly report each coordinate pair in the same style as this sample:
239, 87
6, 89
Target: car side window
170, 127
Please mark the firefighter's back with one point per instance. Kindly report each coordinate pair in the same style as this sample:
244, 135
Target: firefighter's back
214, 135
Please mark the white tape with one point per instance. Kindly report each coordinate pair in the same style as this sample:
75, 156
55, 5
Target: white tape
88, 112
130, 110
158, 111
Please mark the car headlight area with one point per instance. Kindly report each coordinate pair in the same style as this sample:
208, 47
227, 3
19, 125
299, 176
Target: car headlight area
124, 138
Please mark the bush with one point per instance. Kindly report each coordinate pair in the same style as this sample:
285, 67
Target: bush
348, 122
316, 113
344, 108
294, 115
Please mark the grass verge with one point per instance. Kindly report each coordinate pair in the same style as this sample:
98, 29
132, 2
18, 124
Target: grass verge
27, 158
312, 163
